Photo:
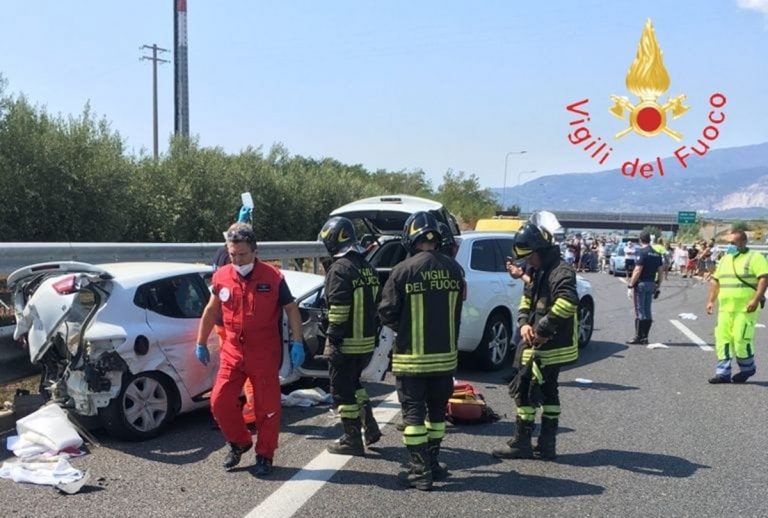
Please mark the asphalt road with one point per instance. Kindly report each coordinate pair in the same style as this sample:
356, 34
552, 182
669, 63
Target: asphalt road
649, 437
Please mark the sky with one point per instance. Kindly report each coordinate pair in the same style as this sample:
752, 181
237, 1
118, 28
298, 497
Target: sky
399, 85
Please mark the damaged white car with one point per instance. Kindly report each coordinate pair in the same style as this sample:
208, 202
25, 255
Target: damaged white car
117, 340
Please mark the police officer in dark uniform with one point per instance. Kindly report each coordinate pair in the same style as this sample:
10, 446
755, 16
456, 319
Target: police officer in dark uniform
422, 302
645, 283
352, 293
549, 340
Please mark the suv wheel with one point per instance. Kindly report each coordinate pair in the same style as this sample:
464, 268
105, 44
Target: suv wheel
586, 322
143, 409
494, 348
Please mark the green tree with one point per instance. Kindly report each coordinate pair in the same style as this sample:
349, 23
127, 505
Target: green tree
463, 196
740, 225
654, 231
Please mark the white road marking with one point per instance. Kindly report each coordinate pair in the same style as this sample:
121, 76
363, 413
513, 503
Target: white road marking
622, 279
294, 493
692, 336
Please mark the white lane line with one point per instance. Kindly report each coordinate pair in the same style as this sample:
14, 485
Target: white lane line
622, 279
692, 336
296, 491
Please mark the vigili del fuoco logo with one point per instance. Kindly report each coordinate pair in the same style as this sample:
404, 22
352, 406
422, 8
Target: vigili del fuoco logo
649, 116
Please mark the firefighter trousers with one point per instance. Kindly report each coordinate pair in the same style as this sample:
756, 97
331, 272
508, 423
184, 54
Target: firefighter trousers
347, 391
423, 400
550, 395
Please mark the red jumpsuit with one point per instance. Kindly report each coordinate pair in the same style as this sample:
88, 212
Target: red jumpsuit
252, 349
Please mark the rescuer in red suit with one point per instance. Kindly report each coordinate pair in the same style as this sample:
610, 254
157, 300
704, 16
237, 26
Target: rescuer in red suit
249, 296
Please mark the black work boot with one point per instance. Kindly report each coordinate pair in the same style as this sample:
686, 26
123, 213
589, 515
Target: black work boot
741, 377
263, 466
645, 328
419, 474
372, 432
638, 339
717, 380
351, 443
545, 446
439, 469
519, 447
235, 452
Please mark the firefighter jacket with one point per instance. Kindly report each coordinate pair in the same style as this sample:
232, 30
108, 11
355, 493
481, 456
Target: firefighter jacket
422, 302
549, 304
352, 290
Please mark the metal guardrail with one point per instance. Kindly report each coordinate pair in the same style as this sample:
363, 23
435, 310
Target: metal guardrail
17, 255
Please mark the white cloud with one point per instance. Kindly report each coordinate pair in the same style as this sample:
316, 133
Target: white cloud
755, 5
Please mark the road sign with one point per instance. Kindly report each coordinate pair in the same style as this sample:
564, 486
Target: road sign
686, 217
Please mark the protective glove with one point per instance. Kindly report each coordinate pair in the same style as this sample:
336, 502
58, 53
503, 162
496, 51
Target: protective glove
297, 354
244, 216
629, 293
203, 356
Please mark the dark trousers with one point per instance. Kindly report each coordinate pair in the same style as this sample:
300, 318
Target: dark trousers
423, 400
550, 400
345, 370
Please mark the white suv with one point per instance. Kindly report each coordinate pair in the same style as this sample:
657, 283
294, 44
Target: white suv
489, 314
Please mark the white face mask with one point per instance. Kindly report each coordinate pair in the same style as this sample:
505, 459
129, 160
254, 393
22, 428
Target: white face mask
243, 269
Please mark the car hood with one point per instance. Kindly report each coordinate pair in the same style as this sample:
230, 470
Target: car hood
387, 214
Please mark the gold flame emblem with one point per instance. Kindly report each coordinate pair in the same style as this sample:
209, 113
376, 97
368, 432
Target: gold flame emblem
648, 79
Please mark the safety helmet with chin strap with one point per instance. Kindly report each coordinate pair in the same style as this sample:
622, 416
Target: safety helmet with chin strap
536, 234
338, 236
420, 225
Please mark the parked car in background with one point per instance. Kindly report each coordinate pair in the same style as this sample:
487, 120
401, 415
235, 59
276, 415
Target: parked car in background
489, 313
117, 340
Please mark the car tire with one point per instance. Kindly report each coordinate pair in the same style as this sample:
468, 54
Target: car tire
586, 321
494, 348
143, 409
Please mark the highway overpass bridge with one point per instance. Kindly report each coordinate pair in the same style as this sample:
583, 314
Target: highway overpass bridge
616, 220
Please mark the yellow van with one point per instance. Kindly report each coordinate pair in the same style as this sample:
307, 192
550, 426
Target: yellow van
499, 224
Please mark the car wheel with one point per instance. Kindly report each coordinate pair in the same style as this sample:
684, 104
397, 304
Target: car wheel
494, 348
143, 409
586, 322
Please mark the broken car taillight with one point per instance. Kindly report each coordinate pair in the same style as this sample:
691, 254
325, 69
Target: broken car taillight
70, 284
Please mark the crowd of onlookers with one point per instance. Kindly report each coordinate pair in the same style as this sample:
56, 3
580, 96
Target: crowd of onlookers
590, 253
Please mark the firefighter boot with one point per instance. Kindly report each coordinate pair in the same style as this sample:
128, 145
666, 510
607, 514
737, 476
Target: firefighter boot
519, 447
439, 469
419, 474
351, 443
372, 432
545, 446
638, 339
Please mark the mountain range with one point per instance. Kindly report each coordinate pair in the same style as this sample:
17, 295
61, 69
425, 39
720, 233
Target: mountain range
725, 183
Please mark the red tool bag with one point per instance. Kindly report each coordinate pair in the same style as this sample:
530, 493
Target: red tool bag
467, 405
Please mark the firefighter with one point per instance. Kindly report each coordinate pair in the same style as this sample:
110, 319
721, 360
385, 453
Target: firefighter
249, 297
352, 290
422, 302
739, 285
549, 340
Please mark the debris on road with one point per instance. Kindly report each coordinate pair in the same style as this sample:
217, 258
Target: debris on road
688, 316
306, 398
583, 381
759, 325
657, 345
45, 442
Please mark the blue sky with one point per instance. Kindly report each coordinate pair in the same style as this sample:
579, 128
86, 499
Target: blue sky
399, 84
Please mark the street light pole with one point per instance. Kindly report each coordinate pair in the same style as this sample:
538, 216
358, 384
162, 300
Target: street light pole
504, 189
521, 173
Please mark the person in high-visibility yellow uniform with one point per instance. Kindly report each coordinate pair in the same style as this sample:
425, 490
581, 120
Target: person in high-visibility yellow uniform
739, 286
